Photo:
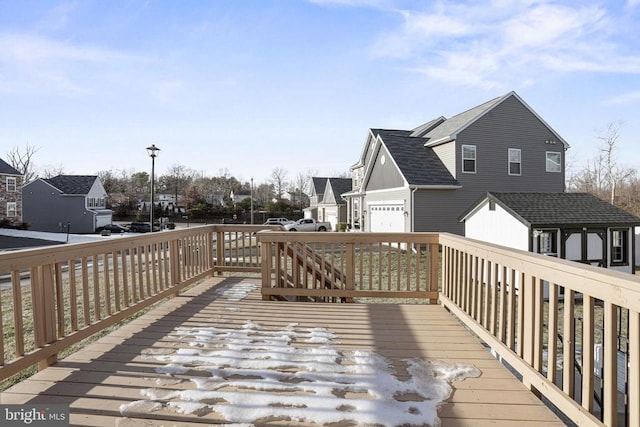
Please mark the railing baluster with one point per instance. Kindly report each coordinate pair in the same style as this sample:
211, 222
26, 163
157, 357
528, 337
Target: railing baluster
568, 343
587, 352
552, 332
610, 392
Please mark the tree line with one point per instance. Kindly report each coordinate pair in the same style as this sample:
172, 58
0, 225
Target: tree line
195, 194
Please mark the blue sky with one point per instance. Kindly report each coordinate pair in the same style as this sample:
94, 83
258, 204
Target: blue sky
250, 86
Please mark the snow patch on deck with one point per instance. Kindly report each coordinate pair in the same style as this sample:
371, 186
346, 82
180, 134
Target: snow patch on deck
293, 373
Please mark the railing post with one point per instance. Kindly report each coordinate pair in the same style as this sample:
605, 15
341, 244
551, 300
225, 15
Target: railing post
433, 279
43, 310
350, 278
266, 253
220, 258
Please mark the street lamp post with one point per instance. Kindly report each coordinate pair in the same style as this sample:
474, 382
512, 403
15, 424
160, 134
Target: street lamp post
252, 200
153, 150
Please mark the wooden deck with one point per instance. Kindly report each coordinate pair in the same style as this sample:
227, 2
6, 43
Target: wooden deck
103, 380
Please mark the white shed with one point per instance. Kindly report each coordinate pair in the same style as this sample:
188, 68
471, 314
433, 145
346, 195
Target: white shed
573, 226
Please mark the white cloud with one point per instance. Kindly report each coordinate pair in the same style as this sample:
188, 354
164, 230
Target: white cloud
503, 42
626, 98
34, 63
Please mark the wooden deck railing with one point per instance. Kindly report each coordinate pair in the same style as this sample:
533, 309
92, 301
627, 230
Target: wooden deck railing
53, 297
548, 318
343, 266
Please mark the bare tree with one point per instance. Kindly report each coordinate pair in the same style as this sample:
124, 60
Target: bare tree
49, 171
22, 161
177, 180
279, 181
299, 188
614, 174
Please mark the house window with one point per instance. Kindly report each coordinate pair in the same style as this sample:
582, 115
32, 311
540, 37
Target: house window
554, 161
547, 242
12, 209
619, 247
515, 161
469, 158
492, 205
95, 202
11, 185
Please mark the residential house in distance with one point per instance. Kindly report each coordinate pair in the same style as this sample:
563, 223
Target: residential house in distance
423, 179
74, 203
318, 185
10, 193
333, 208
574, 226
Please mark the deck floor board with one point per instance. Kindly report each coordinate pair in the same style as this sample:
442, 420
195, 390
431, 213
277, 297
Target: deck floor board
113, 371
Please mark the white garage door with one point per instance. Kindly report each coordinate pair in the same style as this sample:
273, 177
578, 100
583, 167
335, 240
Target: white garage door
387, 218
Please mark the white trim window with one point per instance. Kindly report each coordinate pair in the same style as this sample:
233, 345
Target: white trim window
469, 158
515, 161
95, 202
619, 247
554, 161
12, 185
12, 209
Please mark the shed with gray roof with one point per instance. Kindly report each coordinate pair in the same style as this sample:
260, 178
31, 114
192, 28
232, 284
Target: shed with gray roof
574, 226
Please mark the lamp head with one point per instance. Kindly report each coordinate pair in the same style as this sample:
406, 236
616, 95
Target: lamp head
152, 150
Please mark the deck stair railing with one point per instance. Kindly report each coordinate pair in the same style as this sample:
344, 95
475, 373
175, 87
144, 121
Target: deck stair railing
343, 266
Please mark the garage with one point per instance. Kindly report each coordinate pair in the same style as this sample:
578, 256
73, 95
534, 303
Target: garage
387, 218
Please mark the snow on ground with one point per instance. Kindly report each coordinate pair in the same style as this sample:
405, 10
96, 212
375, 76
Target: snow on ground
55, 237
257, 373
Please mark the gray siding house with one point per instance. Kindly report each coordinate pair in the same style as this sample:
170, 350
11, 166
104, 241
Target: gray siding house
10, 194
318, 184
66, 203
423, 179
333, 208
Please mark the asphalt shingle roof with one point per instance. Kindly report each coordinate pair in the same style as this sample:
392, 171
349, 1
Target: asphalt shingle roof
563, 209
340, 186
7, 169
454, 124
73, 184
418, 164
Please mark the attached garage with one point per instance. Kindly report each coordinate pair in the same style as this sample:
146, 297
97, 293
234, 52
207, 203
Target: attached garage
387, 218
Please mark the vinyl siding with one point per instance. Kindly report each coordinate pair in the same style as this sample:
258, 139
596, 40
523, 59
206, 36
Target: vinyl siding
508, 125
498, 227
447, 153
384, 175
45, 209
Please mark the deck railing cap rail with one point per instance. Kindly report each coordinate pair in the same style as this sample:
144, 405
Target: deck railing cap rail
622, 289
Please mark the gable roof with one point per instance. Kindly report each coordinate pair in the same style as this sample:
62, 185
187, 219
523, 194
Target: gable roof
448, 129
318, 184
7, 169
339, 187
72, 184
418, 164
559, 209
